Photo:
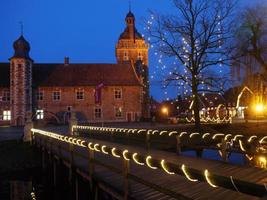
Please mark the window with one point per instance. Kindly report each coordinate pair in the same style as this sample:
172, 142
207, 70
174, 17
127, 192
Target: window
79, 94
98, 113
6, 95
125, 56
69, 108
6, 115
56, 95
118, 93
40, 95
40, 114
118, 112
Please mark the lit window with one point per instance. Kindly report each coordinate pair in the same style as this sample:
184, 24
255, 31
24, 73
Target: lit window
118, 93
79, 94
56, 95
118, 112
40, 114
40, 95
6, 115
6, 95
98, 113
125, 56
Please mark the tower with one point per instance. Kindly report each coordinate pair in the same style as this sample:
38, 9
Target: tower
131, 45
20, 82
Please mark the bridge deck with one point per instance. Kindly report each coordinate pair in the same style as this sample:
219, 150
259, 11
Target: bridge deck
146, 183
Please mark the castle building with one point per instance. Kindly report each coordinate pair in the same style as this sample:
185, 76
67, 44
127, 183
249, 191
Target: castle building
116, 92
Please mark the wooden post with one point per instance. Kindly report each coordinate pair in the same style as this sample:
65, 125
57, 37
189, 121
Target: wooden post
91, 169
111, 136
44, 164
224, 150
147, 141
71, 163
178, 145
76, 187
55, 172
125, 171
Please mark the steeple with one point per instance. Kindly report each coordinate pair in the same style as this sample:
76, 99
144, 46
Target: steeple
21, 48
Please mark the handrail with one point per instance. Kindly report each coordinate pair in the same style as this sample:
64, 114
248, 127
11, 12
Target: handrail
170, 168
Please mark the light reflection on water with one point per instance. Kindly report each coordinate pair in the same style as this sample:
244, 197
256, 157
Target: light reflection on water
235, 158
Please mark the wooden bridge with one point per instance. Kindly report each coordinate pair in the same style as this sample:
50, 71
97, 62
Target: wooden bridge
123, 171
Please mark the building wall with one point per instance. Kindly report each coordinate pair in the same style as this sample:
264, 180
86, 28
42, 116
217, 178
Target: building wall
130, 103
132, 49
4, 106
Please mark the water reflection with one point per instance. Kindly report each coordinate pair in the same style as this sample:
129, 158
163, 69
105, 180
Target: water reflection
235, 158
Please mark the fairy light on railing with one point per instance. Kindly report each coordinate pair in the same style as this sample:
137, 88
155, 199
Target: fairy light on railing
136, 160
162, 132
227, 136
182, 133
103, 149
217, 135
90, 146
251, 138
124, 155
148, 162
172, 133
241, 145
192, 134
113, 152
163, 165
96, 147
262, 140
205, 135
187, 174
206, 173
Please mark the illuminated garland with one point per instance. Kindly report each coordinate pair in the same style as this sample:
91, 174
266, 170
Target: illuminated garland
125, 154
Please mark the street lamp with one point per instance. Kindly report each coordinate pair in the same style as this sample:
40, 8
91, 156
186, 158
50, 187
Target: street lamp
259, 108
165, 111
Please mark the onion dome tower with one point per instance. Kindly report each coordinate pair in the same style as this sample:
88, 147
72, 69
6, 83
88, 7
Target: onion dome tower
20, 82
132, 47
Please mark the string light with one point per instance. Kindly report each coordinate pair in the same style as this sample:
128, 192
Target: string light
113, 151
187, 174
165, 168
148, 162
124, 155
206, 173
135, 159
103, 149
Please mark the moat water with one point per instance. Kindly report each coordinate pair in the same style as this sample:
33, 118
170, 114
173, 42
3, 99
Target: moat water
34, 184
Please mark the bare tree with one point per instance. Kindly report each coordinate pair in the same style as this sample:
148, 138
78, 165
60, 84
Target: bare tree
197, 37
251, 36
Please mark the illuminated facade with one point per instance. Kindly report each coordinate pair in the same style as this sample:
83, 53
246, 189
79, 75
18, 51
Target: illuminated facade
95, 92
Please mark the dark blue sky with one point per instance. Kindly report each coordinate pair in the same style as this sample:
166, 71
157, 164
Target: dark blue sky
84, 30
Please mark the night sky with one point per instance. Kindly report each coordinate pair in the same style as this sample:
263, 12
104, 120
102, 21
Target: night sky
84, 30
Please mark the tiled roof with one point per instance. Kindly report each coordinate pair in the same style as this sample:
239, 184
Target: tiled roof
77, 75
126, 34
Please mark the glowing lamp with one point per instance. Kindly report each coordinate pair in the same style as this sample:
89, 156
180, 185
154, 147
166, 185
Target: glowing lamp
164, 110
262, 162
259, 107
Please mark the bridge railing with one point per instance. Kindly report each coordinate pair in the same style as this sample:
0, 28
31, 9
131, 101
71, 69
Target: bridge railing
170, 168
175, 140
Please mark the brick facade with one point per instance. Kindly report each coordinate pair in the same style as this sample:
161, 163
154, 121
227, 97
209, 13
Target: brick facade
52, 91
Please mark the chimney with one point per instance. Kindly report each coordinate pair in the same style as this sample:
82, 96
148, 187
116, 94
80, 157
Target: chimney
66, 61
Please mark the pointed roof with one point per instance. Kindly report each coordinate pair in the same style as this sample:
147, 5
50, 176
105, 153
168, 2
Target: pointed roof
21, 48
